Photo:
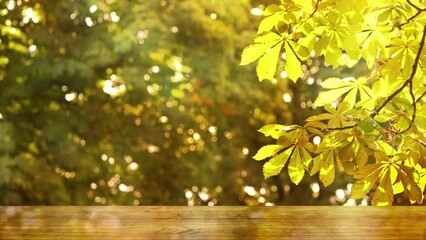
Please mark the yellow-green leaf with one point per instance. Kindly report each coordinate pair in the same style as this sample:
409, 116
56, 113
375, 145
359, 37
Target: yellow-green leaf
293, 66
253, 52
369, 175
296, 170
383, 196
331, 95
267, 38
275, 165
273, 130
267, 64
267, 151
327, 170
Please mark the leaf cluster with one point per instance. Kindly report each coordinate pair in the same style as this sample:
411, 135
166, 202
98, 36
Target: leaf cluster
373, 127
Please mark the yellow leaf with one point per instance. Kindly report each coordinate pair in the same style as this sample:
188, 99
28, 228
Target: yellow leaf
293, 67
383, 196
267, 64
267, 151
327, 171
296, 170
274, 166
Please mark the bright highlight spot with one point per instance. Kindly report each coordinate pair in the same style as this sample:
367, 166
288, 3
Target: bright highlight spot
93, 8
114, 17
315, 187
123, 188
245, 151
213, 16
153, 149
114, 86
340, 195
133, 166
250, 190
70, 96
10, 5
317, 140
32, 48
189, 194
287, 97
89, 22
196, 136
213, 130
155, 69
164, 119
256, 11
204, 196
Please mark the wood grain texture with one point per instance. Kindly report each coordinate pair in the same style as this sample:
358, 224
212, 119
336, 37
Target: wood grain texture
123, 222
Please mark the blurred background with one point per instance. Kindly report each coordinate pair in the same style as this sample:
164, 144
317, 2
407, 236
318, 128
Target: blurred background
143, 102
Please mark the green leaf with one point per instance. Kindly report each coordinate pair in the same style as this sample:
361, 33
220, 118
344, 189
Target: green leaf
367, 125
293, 66
267, 151
267, 64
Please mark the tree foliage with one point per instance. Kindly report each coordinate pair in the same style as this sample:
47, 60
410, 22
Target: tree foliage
373, 126
132, 102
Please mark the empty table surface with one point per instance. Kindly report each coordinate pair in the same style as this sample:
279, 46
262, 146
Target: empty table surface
149, 222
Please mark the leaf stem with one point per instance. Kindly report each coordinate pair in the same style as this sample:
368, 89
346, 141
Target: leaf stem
409, 81
341, 128
295, 54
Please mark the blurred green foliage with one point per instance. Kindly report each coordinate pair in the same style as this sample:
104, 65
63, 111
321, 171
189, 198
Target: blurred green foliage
139, 102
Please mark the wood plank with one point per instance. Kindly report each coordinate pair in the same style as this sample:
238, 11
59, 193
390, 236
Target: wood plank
149, 222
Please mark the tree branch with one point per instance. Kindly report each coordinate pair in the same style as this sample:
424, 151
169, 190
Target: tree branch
408, 81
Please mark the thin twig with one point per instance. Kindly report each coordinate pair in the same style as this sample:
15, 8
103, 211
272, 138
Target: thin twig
414, 6
420, 98
419, 10
414, 108
316, 8
409, 80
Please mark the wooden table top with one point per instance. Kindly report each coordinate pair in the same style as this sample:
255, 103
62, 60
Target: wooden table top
148, 222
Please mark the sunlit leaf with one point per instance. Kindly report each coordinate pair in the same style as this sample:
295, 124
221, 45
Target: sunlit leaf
267, 151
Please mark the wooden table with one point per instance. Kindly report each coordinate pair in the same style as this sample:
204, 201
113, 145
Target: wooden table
121, 222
